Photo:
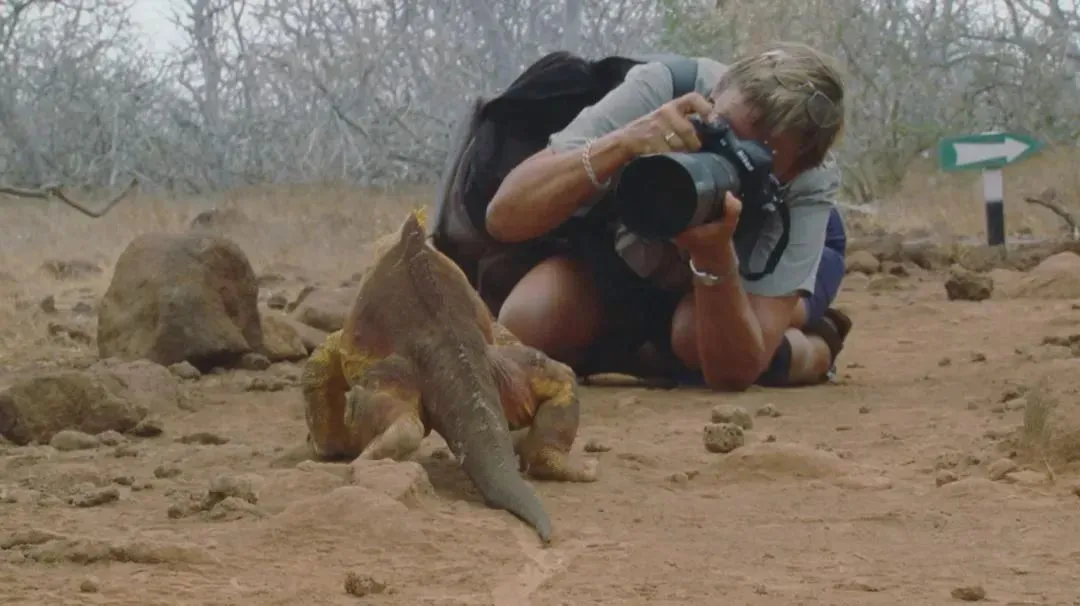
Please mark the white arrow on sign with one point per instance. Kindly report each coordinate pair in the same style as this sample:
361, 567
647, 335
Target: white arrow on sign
972, 153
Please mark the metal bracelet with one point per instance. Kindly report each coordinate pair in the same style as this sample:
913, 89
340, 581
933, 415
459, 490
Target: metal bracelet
586, 161
707, 279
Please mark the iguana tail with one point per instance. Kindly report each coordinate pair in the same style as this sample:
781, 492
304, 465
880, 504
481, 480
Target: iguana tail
489, 461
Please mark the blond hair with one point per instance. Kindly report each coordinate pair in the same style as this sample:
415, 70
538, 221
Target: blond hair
792, 88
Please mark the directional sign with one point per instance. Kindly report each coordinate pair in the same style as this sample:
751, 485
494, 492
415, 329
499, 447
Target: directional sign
986, 150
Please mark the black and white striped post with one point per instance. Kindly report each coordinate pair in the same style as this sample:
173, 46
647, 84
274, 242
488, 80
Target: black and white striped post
988, 152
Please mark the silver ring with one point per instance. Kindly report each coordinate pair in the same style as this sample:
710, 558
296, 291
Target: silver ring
668, 137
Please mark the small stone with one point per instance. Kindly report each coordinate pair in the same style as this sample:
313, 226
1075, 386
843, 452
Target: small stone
978, 357
723, 437
972, 593
725, 413
253, 361
111, 438
277, 301
185, 370
96, 497
148, 428
864, 409
843, 428
263, 384
225, 486
205, 438
89, 585
69, 440
363, 585
945, 477
768, 410
595, 445
48, 304
125, 451
946, 361
1001, 468
163, 472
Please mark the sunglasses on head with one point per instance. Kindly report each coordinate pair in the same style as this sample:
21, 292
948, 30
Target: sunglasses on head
822, 110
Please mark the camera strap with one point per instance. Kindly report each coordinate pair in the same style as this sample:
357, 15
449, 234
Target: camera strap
778, 251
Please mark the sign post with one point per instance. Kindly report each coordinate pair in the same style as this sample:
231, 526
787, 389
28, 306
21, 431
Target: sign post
989, 153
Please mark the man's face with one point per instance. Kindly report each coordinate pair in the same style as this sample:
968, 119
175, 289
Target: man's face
729, 105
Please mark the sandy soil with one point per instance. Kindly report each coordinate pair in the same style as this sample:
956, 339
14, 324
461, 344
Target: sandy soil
888, 487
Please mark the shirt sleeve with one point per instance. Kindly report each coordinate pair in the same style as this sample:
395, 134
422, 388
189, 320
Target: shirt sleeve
645, 88
810, 198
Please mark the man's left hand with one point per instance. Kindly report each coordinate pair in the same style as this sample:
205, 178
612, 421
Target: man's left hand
714, 236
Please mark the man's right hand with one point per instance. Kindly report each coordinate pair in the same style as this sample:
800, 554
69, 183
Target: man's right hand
667, 128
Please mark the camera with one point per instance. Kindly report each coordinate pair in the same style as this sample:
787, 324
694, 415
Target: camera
662, 195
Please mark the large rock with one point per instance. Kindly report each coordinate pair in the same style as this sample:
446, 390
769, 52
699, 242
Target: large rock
188, 297
281, 339
325, 308
107, 396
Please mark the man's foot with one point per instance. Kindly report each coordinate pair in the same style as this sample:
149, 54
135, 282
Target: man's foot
833, 328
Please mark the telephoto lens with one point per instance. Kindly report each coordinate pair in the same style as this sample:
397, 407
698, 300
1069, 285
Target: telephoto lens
661, 195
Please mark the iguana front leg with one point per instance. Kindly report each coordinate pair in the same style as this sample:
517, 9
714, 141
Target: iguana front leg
377, 417
383, 414
538, 392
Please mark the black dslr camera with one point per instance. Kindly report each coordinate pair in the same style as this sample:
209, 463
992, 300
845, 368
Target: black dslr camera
661, 195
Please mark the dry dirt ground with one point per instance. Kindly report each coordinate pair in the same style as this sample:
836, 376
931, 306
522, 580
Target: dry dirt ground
930, 473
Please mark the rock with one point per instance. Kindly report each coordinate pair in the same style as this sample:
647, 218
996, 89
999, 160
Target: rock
204, 438
148, 428
325, 309
276, 301
69, 269
253, 361
96, 497
964, 285
37, 408
90, 584
595, 445
111, 438
185, 370
726, 413
175, 298
69, 440
768, 410
362, 585
972, 593
281, 341
862, 261
1001, 468
723, 437
885, 283
237, 486
945, 476
48, 304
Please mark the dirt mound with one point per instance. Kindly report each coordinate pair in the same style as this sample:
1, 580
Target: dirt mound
1056, 277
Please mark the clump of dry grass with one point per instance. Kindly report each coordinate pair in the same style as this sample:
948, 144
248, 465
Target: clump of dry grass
322, 228
950, 205
1050, 433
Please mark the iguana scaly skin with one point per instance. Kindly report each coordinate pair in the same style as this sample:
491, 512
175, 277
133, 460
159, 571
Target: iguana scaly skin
420, 352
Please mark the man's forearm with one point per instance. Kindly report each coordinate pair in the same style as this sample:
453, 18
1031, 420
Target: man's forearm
726, 323
545, 190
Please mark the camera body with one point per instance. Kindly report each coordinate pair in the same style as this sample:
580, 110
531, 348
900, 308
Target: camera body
661, 195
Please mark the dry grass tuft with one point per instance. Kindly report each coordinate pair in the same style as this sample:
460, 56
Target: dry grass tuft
951, 205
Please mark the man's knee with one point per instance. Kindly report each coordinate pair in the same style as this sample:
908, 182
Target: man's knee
553, 308
779, 369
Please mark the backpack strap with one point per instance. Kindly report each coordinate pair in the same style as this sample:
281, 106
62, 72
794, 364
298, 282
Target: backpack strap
684, 71
683, 74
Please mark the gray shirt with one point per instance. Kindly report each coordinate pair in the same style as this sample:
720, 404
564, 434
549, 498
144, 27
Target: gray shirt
810, 196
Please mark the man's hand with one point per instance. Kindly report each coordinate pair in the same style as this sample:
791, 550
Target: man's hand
666, 129
712, 239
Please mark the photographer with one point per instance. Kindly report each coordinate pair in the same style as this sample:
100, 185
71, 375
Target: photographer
595, 305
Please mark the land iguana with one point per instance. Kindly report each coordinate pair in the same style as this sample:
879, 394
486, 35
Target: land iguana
418, 352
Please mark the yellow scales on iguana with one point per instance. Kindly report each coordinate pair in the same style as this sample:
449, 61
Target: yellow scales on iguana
420, 352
